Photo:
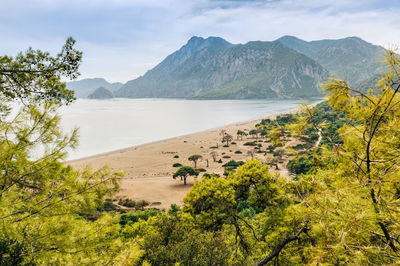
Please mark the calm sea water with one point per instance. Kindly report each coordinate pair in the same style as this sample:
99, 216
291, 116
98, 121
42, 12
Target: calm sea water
107, 125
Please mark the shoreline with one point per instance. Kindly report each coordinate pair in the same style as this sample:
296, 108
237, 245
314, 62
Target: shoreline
149, 167
244, 122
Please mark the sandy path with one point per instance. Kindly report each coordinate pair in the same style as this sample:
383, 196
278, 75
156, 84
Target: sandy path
148, 168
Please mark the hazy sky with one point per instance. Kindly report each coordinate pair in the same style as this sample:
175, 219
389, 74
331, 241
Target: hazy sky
121, 39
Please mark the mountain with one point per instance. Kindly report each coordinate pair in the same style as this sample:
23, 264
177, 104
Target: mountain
101, 93
214, 68
84, 87
351, 59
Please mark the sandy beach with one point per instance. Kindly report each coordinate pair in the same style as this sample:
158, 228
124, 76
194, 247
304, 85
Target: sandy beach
148, 168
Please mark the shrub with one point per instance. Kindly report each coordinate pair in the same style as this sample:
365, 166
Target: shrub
173, 209
177, 165
131, 218
219, 161
176, 156
233, 163
141, 204
250, 143
206, 175
238, 152
201, 170
225, 146
226, 156
127, 203
234, 143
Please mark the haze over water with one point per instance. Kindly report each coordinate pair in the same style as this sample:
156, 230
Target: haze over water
108, 125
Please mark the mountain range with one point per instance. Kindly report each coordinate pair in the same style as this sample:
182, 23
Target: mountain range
83, 88
213, 68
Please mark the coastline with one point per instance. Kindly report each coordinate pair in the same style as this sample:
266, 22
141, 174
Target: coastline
148, 167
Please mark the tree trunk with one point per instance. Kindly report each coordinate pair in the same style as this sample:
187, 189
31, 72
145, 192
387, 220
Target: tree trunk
207, 162
195, 164
184, 180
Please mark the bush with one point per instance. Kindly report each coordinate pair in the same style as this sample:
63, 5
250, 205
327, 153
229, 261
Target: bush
177, 165
206, 175
176, 156
173, 209
300, 165
225, 146
233, 163
131, 218
141, 204
226, 156
234, 143
108, 205
250, 143
213, 147
238, 152
219, 161
127, 203
201, 170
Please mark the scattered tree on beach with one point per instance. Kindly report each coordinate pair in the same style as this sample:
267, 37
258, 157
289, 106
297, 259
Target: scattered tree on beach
254, 133
227, 138
184, 172
195, 158
240, 134
214, 155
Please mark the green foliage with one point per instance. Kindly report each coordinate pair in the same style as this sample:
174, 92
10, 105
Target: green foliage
177, 165
211, 201
131, 218
195, 158
250, 143
37, 76
13, 253
184, 172
127, 203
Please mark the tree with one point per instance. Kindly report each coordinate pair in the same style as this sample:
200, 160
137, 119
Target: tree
184, 172
214, 155
254, 132
195, 158
240, 133
42, 200
354, 199
37, 76
227, 138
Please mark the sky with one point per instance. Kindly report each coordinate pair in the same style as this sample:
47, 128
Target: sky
122, 39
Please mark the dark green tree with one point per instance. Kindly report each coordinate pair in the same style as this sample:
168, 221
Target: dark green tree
184, 172
195, 158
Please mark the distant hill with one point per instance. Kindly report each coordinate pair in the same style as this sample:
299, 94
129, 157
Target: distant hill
101, 93
351, 59
84, 87
213, 68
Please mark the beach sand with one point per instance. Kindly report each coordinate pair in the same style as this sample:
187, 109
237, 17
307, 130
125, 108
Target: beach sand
148, 168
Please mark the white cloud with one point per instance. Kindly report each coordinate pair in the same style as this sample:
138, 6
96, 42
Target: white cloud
122, 39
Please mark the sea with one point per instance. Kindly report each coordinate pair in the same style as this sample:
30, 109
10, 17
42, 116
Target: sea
112, 124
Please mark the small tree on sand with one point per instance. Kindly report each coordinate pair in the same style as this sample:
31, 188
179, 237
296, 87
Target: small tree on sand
195, 158
184, 172
214, 155
240, 134
227, 138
